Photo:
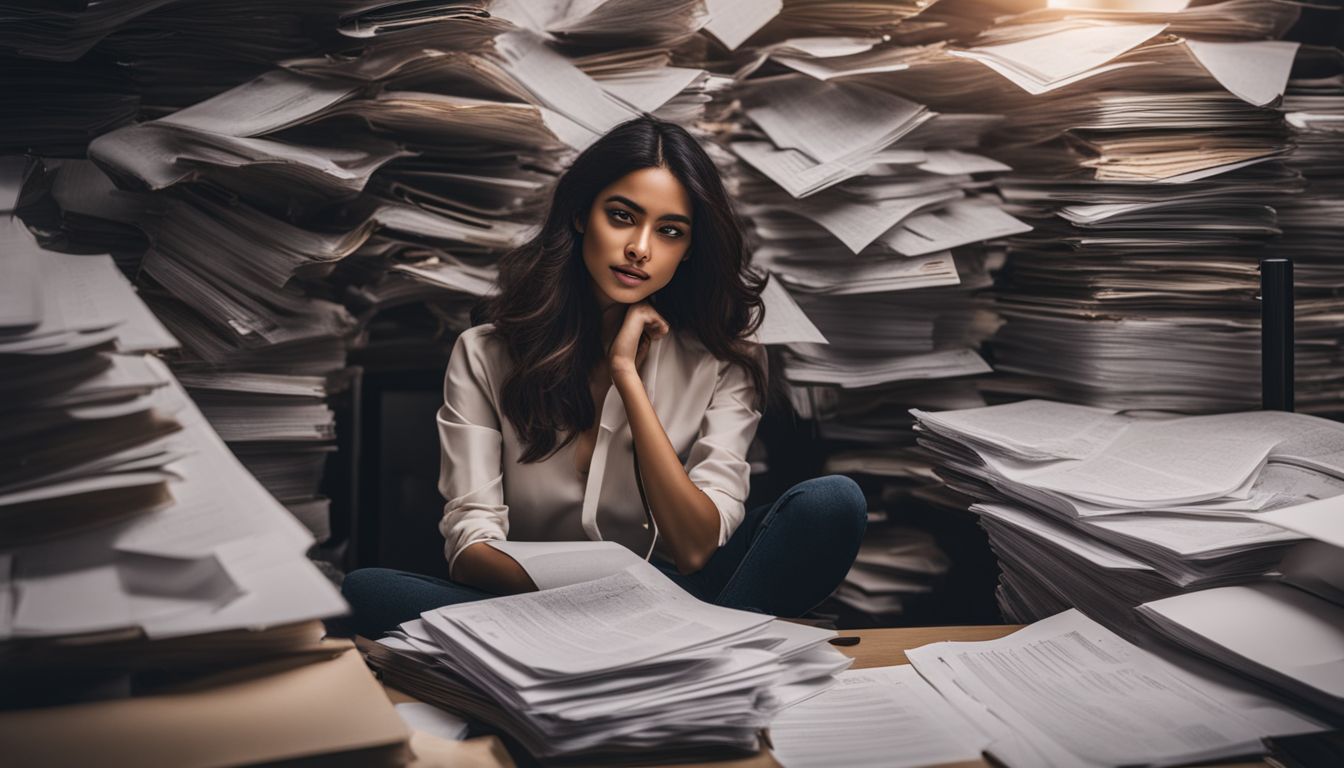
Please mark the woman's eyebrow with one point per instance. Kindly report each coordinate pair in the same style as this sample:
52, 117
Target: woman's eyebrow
640, 209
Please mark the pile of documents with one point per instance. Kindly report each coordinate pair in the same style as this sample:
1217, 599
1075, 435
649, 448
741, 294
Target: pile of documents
1289, 634
88, 432
136, 515
1065, 692
609, 660
1150, 154
864, 205
895, 564
875, 215
1277, 633
281, 429
1101, 511
1311, 221
1221, 534
1068, 692
138, 554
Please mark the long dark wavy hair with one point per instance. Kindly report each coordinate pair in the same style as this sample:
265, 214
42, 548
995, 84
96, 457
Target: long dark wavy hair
545, 311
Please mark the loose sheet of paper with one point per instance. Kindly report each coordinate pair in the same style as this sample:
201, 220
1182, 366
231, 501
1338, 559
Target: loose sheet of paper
1255, 71
1046, 62
885, 717
428, 718
733, 21
278, 99
1322, 520
1274, 626
558, 84
785, 322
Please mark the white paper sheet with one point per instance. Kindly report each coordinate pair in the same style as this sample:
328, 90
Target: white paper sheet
1322, 520
1045, 62
419, 716
1273, 626
1255, 71
885, 717
785, 322
733, 21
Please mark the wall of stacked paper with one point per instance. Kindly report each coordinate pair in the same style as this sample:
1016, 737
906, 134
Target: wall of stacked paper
278, 188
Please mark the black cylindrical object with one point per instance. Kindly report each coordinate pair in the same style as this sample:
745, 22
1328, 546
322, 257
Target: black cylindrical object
1276, 334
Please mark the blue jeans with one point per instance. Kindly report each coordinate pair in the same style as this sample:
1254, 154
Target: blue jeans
783, 560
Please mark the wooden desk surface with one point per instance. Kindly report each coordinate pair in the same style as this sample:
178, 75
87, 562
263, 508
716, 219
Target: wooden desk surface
880, 648
885, 647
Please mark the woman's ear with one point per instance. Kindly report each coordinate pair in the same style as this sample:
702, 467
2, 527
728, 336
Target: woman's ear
578, 221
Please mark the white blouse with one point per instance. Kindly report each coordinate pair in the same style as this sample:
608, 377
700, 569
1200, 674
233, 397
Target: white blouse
704, 404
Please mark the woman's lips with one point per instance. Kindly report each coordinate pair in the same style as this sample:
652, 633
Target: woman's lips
626, 278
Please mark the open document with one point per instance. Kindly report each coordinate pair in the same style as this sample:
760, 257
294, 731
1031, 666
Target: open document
1068, 692
552, 564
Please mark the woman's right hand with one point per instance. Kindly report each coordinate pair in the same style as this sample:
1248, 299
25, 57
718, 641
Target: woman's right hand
640, 328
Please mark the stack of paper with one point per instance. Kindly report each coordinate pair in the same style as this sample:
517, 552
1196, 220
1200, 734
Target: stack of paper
858, 198
1093, 509
1276, 633
1314, 111
875, 214
279, 427
1067, 692
1148, 156
88, 433
134, 542
1317, 566
609, 667
895, 564
215, 553
1287, 635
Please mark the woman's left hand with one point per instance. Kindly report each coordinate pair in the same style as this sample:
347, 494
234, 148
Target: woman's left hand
642, 325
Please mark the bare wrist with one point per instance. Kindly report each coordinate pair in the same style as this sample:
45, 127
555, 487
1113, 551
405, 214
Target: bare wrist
624, 371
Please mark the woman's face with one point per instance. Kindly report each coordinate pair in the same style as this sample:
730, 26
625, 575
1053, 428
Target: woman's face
637, 231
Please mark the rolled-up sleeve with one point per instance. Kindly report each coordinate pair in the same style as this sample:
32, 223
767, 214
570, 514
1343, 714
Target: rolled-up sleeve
471, 475
717, 463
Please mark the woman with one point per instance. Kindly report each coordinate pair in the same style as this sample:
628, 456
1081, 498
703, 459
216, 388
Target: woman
620, 334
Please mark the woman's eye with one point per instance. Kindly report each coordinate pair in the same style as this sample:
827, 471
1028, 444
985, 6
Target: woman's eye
672, 232
621, 216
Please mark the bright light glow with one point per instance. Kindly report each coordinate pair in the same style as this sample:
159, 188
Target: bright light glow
1149, 6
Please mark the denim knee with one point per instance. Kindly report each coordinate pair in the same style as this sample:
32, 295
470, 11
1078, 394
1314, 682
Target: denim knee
836, 501
363, 583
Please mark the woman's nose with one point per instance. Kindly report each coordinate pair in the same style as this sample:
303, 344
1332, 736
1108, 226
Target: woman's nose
638, 248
